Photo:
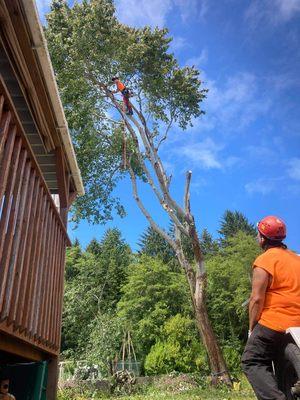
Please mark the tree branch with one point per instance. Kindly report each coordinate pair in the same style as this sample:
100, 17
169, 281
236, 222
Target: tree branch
166, 133
146, 213
187, 204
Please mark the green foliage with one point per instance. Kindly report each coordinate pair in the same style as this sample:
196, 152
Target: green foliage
108, 290
232, 222
93, 288
104, 341
73, 255
152, 294
178, 349
152, 244
232, 353
88, 46
94, 247
209, 246
229, 283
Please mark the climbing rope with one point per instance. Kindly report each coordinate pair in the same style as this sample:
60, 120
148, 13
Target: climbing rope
124, 147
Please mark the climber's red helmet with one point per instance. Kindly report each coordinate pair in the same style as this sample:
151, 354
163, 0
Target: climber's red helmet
272, 228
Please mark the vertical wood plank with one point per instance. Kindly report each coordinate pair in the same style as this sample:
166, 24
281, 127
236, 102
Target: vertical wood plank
7, 161
8, 193
38, 272
23, 308
1, 105
29, 212
46, 285
16, 240
36, 254
50, 284
4, 128
60, 302
11, 226
42, 272
56, 293
52, 289
25, 279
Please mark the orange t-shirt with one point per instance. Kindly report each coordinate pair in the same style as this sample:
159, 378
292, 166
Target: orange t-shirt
120, 86
282, 302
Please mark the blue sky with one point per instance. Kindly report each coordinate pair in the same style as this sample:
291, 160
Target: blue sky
245, 152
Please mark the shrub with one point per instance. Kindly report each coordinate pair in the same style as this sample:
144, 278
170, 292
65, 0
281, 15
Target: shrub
178, 349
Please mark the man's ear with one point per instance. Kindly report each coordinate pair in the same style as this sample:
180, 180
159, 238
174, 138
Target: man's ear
262, 241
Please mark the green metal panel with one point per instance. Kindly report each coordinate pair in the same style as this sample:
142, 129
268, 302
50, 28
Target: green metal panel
28, 381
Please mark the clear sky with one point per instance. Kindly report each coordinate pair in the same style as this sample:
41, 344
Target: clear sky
245, 152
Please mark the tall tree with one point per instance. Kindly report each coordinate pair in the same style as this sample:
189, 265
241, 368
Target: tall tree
152, 294
115, 258
94, 247
209, 246
232, 222
94, 289
96, 46
229, 285
74, 253
153, 244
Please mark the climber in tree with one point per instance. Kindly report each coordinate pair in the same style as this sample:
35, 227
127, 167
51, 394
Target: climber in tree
125, 94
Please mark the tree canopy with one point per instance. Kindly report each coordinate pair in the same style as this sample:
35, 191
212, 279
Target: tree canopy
109, 290
152, 294
93, 287
88, 46
232, 222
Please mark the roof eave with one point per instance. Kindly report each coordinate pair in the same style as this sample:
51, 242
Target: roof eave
42, 53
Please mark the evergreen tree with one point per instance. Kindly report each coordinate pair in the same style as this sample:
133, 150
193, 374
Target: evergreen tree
115, 256
209, 246
94, 289
94, 247
72, 256
152, 244
232, 222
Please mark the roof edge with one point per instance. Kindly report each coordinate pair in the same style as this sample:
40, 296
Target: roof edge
40, 45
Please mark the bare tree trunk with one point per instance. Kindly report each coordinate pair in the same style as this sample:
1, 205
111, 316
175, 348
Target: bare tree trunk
197, 283
184, 224
216, 359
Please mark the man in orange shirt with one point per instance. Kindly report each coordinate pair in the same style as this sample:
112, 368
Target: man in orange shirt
274, 307
125, 94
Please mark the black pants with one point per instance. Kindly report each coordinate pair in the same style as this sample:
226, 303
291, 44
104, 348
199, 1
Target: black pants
264, 346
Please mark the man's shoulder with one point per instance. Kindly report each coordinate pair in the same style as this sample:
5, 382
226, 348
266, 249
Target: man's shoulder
261, 257
267, 257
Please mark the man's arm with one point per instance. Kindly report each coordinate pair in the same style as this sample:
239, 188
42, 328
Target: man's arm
260, 282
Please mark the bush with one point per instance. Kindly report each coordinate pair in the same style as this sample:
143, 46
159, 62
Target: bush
178, 349
232, 353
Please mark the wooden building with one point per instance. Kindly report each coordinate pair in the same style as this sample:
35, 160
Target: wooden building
39, 179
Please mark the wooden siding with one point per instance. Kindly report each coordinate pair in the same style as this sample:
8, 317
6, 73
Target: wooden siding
33, 240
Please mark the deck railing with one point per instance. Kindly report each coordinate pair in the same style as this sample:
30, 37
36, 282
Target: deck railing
33, 240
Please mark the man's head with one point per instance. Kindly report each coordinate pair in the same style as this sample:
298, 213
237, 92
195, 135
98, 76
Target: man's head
271, 232
4, 384
115, 78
